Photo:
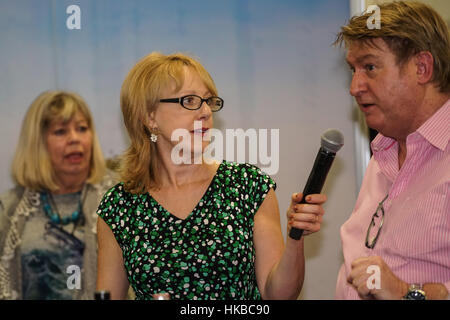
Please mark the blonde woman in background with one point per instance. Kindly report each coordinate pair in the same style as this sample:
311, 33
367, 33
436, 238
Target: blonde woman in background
47, 222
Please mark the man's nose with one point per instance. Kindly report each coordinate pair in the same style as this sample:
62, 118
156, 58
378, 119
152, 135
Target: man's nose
358, 84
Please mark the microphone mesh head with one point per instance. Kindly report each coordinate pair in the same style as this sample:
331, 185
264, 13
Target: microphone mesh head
332, 140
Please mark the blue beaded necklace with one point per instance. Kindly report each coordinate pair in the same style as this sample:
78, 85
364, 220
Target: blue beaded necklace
56, 217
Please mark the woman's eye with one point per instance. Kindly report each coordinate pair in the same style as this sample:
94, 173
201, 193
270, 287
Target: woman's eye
59, 132
83, 128
189, 100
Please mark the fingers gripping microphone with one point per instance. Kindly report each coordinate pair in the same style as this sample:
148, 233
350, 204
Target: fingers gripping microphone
331, 141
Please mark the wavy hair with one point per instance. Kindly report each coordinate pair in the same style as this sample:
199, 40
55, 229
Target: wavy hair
407, 28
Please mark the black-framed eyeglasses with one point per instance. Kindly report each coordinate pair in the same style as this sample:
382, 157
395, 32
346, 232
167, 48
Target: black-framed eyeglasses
370, 243
194, 102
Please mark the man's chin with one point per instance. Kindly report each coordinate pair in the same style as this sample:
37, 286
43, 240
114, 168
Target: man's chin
373, 122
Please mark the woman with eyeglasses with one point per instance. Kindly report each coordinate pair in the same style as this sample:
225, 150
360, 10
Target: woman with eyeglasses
48, 243
196, 230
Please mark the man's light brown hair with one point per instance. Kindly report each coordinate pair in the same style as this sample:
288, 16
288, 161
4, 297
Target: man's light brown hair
407, 28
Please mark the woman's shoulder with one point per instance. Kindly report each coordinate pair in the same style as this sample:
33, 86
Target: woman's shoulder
118, 194
112, 199
117, 191
10, 198
118, 202
247, 175
245, 170
16, 192
248, 180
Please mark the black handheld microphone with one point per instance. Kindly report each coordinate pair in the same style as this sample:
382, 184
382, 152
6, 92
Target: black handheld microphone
331, 141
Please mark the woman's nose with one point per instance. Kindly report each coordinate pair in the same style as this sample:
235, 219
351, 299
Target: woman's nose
74, 136
205, 110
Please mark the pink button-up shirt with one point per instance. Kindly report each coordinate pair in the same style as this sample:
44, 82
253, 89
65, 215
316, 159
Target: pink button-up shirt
415, 238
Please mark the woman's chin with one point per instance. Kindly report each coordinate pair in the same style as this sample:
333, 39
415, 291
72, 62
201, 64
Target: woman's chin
80, 170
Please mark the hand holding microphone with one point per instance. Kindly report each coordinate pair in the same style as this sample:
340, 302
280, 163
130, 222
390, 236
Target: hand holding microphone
331, 141
307, 215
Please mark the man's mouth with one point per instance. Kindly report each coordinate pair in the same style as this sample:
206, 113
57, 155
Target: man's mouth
366, 105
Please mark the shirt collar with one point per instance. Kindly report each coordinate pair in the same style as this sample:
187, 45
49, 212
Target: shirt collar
380, 143
435, 130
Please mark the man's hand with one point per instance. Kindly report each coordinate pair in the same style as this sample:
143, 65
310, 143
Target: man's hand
390, 287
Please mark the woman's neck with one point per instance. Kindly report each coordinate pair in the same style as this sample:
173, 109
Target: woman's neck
177, 175
70, 183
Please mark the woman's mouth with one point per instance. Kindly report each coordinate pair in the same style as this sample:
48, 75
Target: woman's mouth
74, 157
201, 131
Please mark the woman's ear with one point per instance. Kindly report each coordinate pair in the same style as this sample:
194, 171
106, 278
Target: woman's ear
151, 122
424, 63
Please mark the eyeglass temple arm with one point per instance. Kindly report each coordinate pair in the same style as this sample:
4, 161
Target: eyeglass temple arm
176, 100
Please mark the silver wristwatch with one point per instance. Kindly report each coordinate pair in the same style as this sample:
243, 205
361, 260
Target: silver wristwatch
415, 292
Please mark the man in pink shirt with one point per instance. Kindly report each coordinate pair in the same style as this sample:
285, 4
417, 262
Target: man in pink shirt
396, 243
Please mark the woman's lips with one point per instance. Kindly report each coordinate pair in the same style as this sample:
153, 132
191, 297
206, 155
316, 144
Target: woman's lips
74, 157
201, 131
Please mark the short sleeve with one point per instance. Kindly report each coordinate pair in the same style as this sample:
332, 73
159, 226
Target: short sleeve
259, 184
111, 211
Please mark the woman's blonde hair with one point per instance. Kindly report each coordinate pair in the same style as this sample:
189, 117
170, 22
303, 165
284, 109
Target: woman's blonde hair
139, 97
32, 167
407, 28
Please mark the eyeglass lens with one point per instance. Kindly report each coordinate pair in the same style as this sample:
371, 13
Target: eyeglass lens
376, 223
194, 102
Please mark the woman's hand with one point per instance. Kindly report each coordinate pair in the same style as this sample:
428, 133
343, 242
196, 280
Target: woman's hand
306, 216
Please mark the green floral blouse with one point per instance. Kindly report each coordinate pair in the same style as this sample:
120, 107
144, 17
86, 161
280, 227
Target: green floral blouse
208, 255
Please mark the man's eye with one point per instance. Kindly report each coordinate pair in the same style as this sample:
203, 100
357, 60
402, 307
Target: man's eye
370, 67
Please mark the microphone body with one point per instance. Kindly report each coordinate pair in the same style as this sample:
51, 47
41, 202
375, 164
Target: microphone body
332, 141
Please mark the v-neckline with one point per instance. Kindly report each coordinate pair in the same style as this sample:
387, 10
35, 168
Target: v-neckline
195, 209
